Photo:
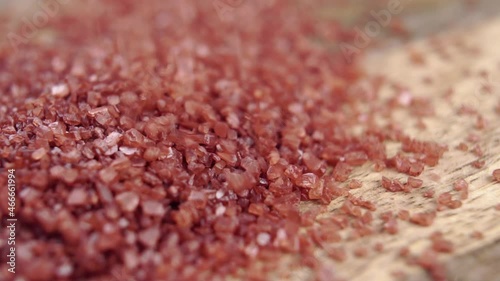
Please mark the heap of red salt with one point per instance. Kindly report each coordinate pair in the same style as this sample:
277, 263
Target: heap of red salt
172, 145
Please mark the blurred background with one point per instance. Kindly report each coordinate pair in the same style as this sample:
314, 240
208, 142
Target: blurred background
418, 17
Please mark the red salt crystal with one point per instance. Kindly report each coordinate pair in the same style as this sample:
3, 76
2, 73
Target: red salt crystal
477, 150
342, 171
38, 154
69, 176
317, 191
60, 91
423, 219
293, 172
308, 180
428, 261
386, 216
281, 187
354, 184
275, 171
257, 209
41, 269
439, 244
128, 150
416, 169
105, 195
239, 182
349, 208
77, 197
434, 177
386, 183
393, 185
128, 201
355, 158
463, 147
362, 203
496, 175
273, 157
391, 226
414, 182
221, 129
379, 247
225, 225
379, 165
325, 235
121, 164
129, 98
182, 218
130, 258
68, 227
454, 204
404, 252
263, 239
312, 162
153, 208
108, 175
360, 252
126, 122
149, 237
477, 235
199, 199
460, 184
341, 221
480, 122
478, 164
229, 157
404, 215
151, 154
367, 218
133, 138
251, 166
444, 198
337, 253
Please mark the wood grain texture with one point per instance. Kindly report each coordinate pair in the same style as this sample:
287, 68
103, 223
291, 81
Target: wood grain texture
469, 52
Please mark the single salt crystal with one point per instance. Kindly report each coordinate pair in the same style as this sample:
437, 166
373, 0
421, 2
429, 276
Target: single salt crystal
496, 175
108, 175
130, 259
149, 237
251, 250
112, 150
153, 208
77, 197
60, 91
98, 110
263, 238
38, 154
281, 234
113, 138
64, 270
220, 210
128, 150
123, 223
128, 201
113, 100
219, 194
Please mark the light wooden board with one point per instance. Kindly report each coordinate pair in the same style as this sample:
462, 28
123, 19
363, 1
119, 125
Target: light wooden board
473, 259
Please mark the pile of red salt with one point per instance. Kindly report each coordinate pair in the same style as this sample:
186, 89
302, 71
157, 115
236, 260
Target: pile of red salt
160, 143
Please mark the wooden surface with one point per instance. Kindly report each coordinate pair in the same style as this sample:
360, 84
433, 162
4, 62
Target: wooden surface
470, 51
473, 259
